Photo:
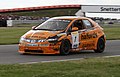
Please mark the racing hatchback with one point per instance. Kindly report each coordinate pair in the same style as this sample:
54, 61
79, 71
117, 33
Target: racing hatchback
62, 35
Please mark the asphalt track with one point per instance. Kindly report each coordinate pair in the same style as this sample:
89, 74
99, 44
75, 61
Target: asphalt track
9, 54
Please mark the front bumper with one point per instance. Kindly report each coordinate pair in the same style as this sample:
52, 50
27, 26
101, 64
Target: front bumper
39, 48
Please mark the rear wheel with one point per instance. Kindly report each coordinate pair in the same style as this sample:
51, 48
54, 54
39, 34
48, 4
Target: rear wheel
65, 47
100, 45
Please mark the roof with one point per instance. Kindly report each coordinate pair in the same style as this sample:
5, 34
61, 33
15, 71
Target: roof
69, 17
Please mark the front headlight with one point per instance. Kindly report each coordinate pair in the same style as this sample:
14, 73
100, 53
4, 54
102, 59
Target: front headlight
53, 39
22, 39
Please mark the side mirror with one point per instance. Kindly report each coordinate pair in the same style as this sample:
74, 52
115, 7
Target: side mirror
74, 28
33, 27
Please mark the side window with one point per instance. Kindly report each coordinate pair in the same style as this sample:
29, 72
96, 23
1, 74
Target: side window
87, 24
78, 24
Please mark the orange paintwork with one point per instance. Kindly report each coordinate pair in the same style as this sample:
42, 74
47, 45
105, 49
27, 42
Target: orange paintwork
88, 38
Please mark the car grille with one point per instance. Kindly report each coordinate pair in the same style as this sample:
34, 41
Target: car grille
34, 51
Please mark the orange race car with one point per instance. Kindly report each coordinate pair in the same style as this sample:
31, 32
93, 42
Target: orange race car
61, 35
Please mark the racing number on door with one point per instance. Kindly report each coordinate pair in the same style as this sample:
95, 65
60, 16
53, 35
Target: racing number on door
75, 39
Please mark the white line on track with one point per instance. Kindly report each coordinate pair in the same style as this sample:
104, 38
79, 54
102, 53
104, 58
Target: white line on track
66, 60
52, 61
112, 56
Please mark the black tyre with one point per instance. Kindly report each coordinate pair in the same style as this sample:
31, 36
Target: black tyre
65, 47
100, 45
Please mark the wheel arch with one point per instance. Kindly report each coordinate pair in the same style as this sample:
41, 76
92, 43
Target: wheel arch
68, 41
64, 51
103, 36
100, 47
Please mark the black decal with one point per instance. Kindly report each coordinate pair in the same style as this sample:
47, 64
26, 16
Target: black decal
75, 39
75, 46
88, 36
110, 9
102, 9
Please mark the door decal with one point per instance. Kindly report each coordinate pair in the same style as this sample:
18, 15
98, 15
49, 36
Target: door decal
75, 39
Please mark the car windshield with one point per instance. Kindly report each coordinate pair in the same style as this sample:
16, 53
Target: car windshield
54, 25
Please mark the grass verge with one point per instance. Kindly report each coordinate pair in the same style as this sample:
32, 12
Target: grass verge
94, 67
112, 31
11, 35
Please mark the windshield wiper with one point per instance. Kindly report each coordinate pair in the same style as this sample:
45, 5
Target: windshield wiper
44, 29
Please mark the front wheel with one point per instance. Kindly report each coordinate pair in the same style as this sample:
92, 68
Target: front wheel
65, 47
100, 45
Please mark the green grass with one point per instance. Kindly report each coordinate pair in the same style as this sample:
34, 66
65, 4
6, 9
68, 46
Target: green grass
11, 35
112, 31
94, 67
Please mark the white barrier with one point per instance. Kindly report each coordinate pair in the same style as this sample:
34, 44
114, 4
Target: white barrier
14, 22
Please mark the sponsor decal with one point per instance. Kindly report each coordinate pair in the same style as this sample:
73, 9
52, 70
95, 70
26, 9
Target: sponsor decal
43, 45
110, 9
32, 37
61, 34
101, 8
88, 45
31, 44
88, 36
37, 37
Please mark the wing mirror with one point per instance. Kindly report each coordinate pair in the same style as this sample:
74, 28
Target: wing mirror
33, 27
75, 29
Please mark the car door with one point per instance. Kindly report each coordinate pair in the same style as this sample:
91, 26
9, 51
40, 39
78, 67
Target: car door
87, 35
75, 35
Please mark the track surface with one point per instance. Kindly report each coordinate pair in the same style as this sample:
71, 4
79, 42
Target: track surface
9, 54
